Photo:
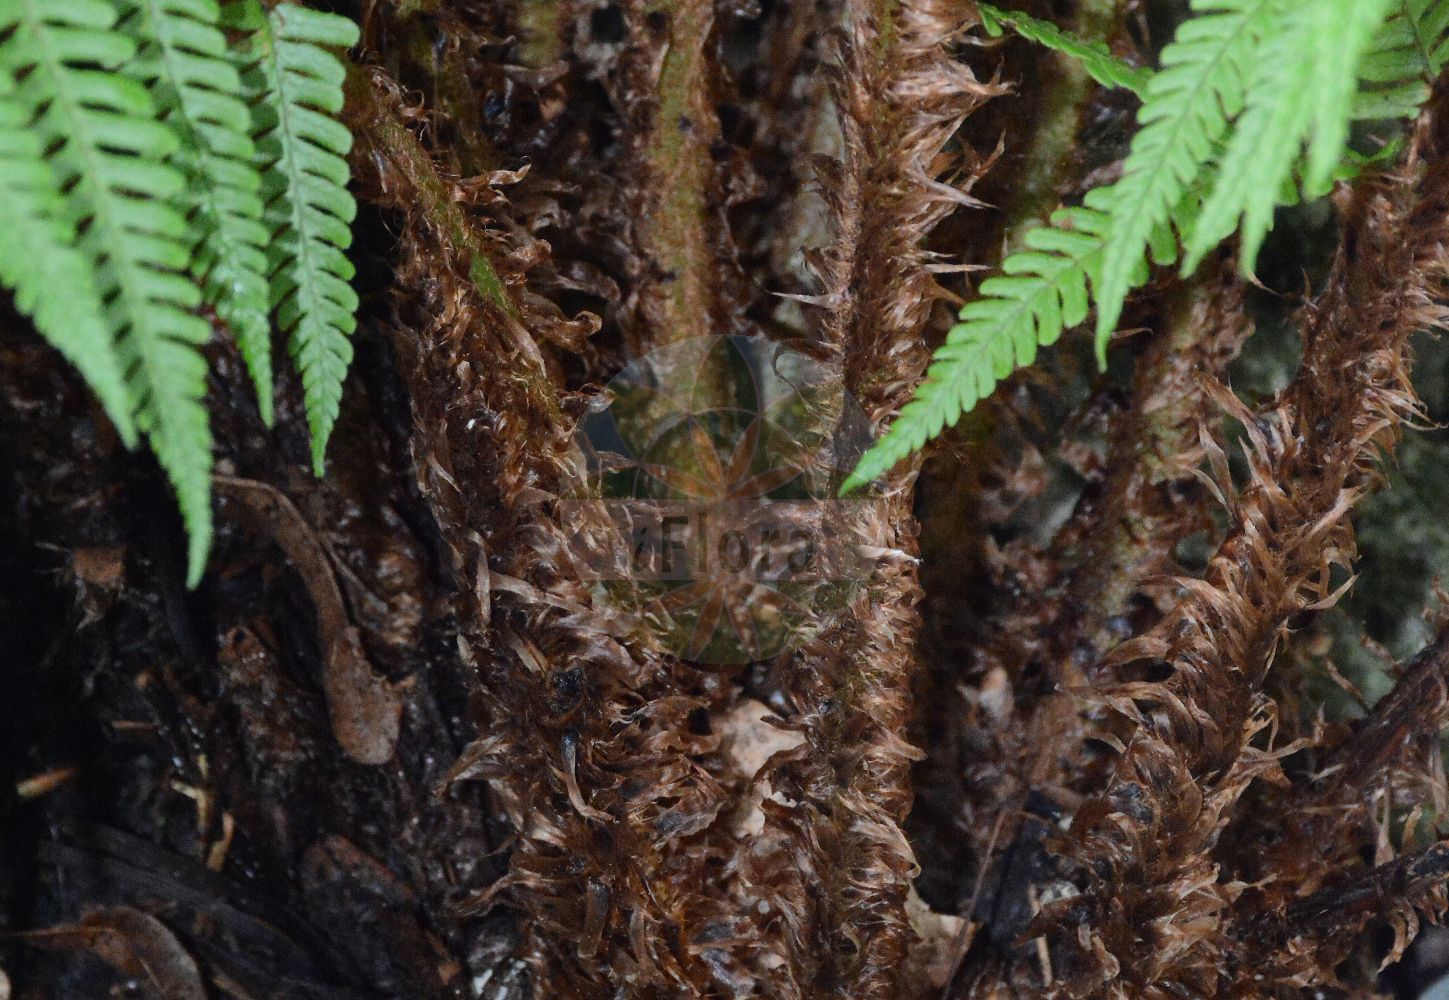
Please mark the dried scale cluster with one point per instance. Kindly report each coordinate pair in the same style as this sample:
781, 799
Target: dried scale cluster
631, 867
1197, 739
1023, 762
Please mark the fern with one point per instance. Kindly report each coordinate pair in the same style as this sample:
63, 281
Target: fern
308, 207
127, 160
108, 152
1042, 291
1099, 62
183, 60
40, 255
1246, 89
1411, 49
1184, 118
1301, 93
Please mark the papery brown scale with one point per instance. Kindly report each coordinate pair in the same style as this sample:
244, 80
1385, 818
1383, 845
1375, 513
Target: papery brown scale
899, 97
628, 848
1114, 553
1312, 455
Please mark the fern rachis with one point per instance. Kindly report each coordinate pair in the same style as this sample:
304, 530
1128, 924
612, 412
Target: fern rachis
1095, 57
1185, 115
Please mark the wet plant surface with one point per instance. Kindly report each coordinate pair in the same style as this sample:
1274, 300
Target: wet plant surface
1105, 720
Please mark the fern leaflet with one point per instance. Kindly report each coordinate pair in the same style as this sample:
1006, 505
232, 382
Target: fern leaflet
1302, 92
40, 255
1410, 50
1099, 62
1041, 292
308, 207
109, 152
1184, 118
183, 60
1246, 86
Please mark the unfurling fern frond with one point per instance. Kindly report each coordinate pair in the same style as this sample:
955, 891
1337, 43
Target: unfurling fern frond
1301, 93
39, 256
308, 207
1042, 292
183, 60
1184, 119
1099, 62
108, 152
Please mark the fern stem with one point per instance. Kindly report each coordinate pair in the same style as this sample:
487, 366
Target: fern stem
676, 234
1183, 119
1316, 451
540, 27
371, 114
1047, 161
899, 98
446, 50
367, 114
1142, 513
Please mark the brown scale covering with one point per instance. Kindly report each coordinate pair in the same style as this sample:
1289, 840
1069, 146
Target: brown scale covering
551, 188
1154, 918
1387, 764
629, 813
589, 747
1024, 746
834, 863
682, 279
620, 863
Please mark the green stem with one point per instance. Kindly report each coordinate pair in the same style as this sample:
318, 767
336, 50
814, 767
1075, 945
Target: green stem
540, 30
679, 166
1046, 164
367, 115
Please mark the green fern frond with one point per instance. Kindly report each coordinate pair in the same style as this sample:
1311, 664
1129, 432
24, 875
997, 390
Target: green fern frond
1099, 62
109, 153
1184, 119
183, 60
308, 207
40, 255
1301, 93
1042, 291
1254, 97
1410, 50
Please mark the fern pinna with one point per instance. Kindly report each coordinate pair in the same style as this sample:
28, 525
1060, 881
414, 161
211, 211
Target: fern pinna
109, 152
1301, 92
42, 255
184, 59
1183, 119
1094, 56
309, 210
1408, 53
1253, 99
136, 159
